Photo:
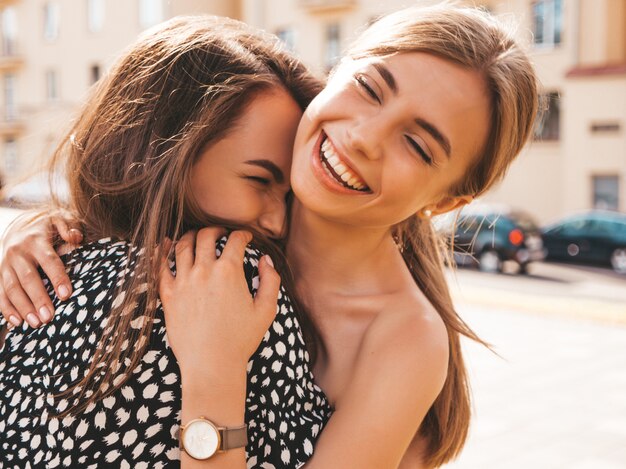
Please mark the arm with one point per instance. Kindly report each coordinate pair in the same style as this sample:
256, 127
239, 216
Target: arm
27, 245
213, 326
400, 370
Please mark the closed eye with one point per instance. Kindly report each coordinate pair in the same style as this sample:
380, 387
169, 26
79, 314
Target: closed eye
418, 148
362, 81
260, 180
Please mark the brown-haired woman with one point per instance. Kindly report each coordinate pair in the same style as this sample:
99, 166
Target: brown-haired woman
426, 112
194, 126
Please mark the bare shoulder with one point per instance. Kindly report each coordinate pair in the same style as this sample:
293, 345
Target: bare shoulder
410, 333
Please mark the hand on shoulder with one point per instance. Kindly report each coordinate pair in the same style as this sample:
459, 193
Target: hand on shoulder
213, 322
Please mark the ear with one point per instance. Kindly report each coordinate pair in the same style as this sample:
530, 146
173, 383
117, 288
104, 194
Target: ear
448, 204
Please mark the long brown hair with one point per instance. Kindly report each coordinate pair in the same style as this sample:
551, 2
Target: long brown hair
130, 153
475, 40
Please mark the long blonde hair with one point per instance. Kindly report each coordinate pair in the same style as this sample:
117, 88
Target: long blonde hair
477, 41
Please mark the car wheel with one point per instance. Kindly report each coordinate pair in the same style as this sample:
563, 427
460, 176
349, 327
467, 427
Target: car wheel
489, 261
618, 260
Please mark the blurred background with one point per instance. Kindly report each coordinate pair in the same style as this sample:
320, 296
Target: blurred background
542, 257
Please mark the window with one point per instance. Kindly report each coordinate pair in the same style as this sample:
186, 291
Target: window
547, 21
10, 109
52, 86
95, 15
333, 46
606, 192
95, 74
51, 19
9, 31
605, 127
151, 12
10, 156
287, 37
549, 119
573, 228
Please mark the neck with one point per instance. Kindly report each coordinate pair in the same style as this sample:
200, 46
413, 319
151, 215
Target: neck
337, 257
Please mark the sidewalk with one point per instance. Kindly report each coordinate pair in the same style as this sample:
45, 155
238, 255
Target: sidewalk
553, 290
557, 398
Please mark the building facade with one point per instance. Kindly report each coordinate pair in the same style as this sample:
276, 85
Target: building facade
577, 159
53, 50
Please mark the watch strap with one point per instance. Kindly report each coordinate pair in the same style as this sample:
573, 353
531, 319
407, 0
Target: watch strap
233, 437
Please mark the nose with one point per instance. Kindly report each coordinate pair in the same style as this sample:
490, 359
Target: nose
274, 220
366, 137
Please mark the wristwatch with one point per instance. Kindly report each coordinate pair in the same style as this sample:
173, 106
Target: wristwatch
201, 438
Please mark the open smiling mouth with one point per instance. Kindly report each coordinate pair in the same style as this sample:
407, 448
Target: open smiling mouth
338, 170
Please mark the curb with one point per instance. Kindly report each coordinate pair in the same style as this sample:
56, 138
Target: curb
611, 312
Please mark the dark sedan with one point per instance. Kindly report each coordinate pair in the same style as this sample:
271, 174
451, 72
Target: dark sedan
492, 235
596, 237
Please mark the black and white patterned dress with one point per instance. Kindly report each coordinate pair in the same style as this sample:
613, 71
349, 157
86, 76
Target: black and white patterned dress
137, 426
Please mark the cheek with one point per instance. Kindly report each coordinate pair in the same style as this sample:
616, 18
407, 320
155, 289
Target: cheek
410, 186
227, 199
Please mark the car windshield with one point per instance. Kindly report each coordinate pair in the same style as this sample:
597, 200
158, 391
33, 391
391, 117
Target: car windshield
524, 221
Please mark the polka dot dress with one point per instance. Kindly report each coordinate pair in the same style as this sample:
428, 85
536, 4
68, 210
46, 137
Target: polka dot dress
137, 426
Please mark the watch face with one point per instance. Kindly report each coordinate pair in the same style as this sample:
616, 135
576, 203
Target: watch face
201, 439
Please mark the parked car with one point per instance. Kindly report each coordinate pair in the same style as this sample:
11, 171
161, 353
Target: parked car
597, 237
491, 235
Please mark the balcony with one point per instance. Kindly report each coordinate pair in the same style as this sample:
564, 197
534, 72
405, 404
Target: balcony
10, 125
319, 6
10, 62
10, 58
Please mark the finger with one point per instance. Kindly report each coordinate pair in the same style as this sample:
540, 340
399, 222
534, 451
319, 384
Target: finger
68, 229
166, 277
18, 298
235, 248
205, 244
8, 310
46, 257
266, 297
33, 286
184, 253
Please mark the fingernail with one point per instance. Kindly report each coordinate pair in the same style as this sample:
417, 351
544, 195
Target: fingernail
15, 320
32, 320
44, 314
64, 292
74, 232
269, 260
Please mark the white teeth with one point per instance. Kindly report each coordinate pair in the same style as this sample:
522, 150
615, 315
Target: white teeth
331, 158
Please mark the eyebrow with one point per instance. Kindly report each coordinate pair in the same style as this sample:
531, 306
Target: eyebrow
276, 172
436, 134
387, 76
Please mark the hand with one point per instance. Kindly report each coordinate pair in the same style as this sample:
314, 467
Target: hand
213, 323
28, 244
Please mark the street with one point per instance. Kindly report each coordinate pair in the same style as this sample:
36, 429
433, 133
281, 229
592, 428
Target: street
555, 398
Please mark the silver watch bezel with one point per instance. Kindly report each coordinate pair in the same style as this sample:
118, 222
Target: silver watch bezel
190, 448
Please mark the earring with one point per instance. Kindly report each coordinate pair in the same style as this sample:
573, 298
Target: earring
427, 213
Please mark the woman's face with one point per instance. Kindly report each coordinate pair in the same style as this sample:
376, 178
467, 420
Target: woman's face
389, 137
244, 177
